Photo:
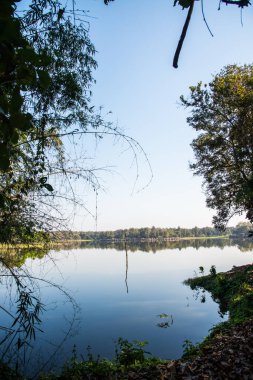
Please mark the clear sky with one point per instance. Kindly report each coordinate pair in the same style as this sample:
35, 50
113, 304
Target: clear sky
135, 42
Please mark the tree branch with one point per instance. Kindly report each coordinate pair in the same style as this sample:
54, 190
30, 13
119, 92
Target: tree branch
182, 37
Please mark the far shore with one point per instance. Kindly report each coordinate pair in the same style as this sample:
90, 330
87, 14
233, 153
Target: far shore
58, 243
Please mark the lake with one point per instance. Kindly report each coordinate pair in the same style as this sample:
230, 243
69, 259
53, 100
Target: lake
92, 295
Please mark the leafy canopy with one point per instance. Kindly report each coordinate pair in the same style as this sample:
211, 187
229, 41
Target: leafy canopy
222, 114
46, 64
46, 74
46, 67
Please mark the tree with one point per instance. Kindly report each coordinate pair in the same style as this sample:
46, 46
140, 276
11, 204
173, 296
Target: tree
43, 94
242, 229
46, 73
222, 114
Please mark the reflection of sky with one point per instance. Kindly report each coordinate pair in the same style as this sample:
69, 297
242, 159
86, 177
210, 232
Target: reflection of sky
96, 280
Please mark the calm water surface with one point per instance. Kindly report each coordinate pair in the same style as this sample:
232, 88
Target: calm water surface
92, 296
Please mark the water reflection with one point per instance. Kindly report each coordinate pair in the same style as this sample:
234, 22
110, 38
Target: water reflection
166, 320
22, 310
243, 245
126, 268
114, 289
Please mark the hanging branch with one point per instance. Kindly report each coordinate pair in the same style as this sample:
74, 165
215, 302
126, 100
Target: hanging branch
183, 34
204, 18
189, 4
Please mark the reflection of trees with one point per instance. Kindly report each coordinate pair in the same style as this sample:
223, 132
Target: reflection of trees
244, 245
22, 310
126, 282
17, 257
155, 246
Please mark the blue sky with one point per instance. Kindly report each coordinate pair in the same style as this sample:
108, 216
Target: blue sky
135, 42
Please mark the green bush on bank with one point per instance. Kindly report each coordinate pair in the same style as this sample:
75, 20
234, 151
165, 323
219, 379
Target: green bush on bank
128, 356
232, 290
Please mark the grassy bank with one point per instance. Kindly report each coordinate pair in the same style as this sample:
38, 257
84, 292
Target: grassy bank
232, 290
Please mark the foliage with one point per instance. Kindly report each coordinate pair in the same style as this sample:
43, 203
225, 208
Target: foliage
138, 233
241, 230
43, 92
189, 349
26, 321
16, 257
233, 291
75, 369
244, 245
129, 353
222, 114
6, 373
213, 270
46, 73
23, 308
166, 320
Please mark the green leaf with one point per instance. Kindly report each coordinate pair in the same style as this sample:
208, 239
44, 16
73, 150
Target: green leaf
15, 137
185, 3
60, 13
4, 163
29, 55
43, 180
48, 187
21, 121
26, 75
44, 79
45, 60
163, 315
16, 101
3, 103
2, 202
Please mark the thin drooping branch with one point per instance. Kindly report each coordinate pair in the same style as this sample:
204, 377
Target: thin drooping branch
204, 17
133, 144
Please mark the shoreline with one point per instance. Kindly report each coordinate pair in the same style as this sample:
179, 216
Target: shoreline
58, 243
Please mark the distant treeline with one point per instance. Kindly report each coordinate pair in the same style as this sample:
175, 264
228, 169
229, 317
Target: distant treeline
241, 230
